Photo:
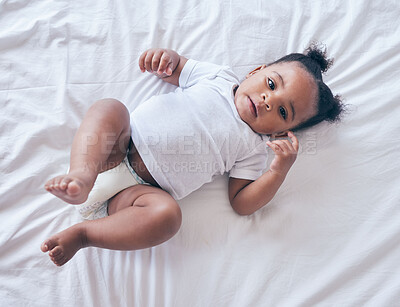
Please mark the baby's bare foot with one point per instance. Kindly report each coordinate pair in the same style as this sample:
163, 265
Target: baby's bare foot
64, 245
73, 187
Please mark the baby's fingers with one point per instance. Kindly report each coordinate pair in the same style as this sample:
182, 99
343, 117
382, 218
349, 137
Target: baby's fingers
282, 147
141, 61
155, 62
285, 146
164, 66
295, 141
148, 60
275, 147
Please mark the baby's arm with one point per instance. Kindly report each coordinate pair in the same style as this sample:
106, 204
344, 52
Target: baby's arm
164, 63
248, 196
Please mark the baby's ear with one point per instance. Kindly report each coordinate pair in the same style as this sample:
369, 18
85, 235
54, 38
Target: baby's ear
255, 70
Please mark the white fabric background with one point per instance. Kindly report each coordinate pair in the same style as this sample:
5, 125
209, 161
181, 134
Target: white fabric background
331, 235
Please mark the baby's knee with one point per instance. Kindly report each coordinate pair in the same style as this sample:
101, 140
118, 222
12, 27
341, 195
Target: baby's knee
112, 109
170, 216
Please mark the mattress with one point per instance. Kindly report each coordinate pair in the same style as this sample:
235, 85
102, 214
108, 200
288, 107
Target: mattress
329, 237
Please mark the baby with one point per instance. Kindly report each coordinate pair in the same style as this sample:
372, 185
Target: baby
174, 143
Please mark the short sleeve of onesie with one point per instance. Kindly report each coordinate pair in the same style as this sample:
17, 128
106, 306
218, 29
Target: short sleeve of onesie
252, 166
194, 71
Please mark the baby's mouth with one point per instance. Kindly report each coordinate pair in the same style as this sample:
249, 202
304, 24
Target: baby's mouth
253, 108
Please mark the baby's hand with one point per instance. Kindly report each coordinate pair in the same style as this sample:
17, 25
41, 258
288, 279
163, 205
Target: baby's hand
161, 62
285, 154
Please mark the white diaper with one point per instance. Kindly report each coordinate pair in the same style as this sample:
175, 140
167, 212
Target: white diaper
107, 185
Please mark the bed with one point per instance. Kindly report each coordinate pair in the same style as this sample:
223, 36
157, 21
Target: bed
331, 235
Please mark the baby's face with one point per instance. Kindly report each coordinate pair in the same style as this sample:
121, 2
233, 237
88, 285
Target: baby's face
276, 98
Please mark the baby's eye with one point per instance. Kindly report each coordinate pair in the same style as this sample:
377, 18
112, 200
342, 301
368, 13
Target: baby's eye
283, 112
271, 84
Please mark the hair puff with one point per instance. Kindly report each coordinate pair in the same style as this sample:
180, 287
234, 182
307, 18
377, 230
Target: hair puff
317, 53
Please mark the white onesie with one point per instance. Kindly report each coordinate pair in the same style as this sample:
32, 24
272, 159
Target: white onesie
194, 133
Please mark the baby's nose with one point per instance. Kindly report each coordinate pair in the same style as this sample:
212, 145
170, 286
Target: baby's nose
267, 103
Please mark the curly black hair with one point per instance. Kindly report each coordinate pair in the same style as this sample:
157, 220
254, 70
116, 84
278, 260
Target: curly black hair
315, 61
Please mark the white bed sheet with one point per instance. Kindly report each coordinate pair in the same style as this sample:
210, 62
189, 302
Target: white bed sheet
331, 235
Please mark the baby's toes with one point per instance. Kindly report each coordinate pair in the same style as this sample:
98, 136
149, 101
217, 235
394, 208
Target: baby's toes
49, 184
64, 183
73, 188
59, 183
47, 245
53, 184
60, 261
57, 259
55, 252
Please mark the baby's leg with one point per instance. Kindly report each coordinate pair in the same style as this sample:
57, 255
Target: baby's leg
141, 216
100, 143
